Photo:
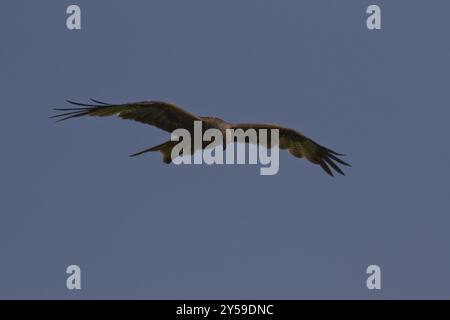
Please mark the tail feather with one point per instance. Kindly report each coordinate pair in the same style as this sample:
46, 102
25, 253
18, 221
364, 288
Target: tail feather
165, 148
141, 152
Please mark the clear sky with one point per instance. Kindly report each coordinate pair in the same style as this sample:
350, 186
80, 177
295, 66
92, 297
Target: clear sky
141, 229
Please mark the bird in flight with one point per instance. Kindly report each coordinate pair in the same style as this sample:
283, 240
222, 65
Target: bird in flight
169, 117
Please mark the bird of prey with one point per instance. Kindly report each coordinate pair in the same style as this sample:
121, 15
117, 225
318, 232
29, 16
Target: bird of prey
169, 117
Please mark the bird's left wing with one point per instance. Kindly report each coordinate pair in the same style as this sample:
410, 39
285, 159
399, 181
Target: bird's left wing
164, 115
300, 146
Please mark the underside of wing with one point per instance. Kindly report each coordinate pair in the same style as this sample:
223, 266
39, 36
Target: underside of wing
304, 147
163, 115
301, 146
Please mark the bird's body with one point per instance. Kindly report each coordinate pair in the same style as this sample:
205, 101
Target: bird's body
169, 117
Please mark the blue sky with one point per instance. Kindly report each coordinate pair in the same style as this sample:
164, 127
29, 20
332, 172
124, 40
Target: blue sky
141, 229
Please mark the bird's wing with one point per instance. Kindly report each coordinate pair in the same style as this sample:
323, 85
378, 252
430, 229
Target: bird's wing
163, 115
300, 146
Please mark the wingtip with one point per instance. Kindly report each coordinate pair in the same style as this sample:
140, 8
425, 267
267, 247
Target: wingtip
53, 117
326, 168
100, 102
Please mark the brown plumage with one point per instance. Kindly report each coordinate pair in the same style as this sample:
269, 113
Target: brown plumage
168, 117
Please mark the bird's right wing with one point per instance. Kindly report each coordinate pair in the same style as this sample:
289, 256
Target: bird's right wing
164, 115
301, 146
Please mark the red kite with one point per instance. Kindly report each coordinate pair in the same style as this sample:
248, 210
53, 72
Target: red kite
169, 117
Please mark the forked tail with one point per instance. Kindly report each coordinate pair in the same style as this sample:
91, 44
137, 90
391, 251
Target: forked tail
165, 148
